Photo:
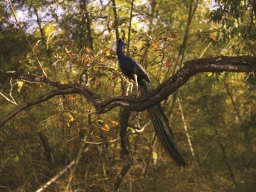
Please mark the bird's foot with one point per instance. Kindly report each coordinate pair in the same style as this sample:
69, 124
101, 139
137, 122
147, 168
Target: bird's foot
137, 91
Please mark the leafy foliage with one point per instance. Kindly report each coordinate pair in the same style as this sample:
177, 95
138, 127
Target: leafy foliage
74, 42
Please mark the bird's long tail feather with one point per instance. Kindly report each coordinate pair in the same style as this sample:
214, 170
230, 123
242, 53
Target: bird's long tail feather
162, 127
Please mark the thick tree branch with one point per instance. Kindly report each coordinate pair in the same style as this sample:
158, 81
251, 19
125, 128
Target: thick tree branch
190, 68
35, 101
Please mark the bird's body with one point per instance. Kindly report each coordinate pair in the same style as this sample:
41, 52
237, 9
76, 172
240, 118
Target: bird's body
128, 70
129, 67
136, 72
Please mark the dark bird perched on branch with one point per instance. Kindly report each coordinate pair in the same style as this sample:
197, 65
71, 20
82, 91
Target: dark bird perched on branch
136, 72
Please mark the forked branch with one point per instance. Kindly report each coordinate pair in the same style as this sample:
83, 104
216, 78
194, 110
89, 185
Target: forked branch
101, 105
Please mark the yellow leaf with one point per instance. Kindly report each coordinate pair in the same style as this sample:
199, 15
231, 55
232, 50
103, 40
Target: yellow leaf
20, 84
100, 122
102, 60
67, 51
213, 37
172, 48
105, 127
49, 29
114, 122
88, 50
156, 46
71, 118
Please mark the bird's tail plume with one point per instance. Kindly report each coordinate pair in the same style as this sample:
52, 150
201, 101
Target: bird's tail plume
162, 127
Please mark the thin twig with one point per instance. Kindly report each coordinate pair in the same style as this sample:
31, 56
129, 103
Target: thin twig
101, 142
100, 13
12, 100
31, 47
60, 173
185, 127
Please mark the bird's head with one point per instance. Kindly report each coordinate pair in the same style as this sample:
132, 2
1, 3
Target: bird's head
120, 42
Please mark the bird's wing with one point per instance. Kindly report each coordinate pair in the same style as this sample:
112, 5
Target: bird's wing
140, 70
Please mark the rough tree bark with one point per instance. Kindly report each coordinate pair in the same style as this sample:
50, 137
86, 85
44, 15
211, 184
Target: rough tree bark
101, 105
